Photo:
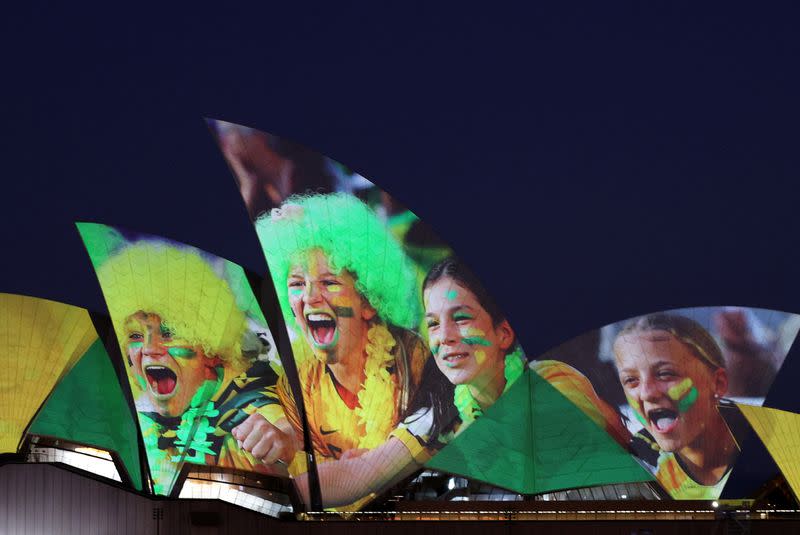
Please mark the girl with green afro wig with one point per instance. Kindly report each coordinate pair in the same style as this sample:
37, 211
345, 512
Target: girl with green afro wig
352, 237
182, 289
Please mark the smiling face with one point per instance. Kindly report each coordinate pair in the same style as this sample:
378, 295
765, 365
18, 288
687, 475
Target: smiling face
671, 390
468, 347
332, 315
172, 369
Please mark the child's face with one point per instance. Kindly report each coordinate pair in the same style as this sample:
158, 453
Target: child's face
332, 315
671, 391
467, 346
172, 369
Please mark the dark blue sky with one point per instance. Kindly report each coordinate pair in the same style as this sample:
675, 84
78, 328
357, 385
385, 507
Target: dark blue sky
590, 162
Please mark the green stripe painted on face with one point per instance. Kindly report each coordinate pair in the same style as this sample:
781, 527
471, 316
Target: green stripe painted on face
476, 341
688, 400
679, 390
635, 408
343, 312
181, 352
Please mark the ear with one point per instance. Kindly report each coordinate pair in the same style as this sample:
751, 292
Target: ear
505, 335
210, 367
367, 311
720, 382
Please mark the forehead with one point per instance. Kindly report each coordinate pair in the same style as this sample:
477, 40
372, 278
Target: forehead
143, 319
643, 348
446, 293
315, 263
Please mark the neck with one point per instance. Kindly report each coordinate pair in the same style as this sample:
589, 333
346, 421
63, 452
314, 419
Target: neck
707, 465
349, 369
487, 391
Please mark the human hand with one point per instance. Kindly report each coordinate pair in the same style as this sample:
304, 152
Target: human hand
266, 442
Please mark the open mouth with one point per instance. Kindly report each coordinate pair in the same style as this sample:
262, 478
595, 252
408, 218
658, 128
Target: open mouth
452, 360
161, 379
663, 420
322, 328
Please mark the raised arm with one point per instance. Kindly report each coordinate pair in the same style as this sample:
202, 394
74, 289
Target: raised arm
348, 480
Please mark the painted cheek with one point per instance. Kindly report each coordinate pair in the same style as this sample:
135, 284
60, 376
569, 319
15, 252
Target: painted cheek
480, 356
684, 393
334, 288
475, 337
637, 410
181, 352
343, 312
435, 349
295, 292
135, 346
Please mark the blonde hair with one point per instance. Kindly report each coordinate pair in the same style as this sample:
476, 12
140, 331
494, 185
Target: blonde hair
182, 289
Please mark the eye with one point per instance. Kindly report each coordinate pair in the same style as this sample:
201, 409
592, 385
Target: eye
666, 374
629, 381
432, 324
166, 332
135, 337
462, 317
296, 283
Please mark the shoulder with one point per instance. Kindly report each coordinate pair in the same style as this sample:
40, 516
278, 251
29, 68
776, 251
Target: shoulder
554, 370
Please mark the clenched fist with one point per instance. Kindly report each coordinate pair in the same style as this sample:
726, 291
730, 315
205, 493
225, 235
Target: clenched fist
266, 442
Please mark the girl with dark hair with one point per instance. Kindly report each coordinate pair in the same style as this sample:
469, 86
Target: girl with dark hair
476, 358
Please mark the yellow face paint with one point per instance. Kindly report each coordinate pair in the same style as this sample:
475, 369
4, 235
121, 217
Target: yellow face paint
679, 390
480, 356
635, 407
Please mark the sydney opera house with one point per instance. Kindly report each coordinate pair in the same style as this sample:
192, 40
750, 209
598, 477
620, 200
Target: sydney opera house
370, 381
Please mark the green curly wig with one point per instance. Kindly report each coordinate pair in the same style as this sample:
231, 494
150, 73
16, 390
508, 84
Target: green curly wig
349, 233
182, 289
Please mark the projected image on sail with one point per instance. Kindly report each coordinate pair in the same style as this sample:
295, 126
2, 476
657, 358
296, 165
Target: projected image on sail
399, 348
200, 358
678, 377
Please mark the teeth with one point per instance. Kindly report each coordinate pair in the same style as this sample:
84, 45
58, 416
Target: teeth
156, 368
319, 317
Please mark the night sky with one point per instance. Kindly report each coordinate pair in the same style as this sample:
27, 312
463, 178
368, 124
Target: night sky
591, 163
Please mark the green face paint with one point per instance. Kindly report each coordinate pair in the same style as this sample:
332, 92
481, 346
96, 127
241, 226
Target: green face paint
635, 408
476, 341
679, 390
142, 382
343, 312
462, 316
685, 393
686, 403
452, 294
135, 345
181, 352
435, 349
295, 292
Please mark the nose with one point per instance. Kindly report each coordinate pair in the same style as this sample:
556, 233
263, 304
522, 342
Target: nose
311, 293
649, 389
153, 346
449, 332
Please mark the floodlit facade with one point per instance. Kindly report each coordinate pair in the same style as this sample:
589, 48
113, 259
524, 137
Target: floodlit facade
370, 374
